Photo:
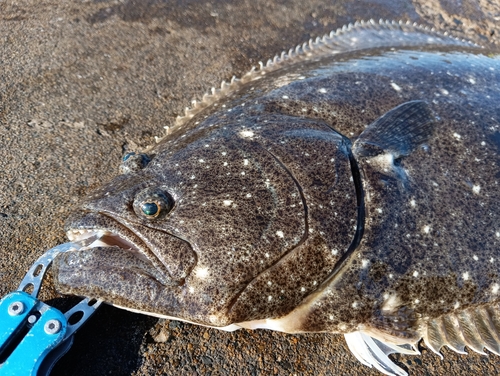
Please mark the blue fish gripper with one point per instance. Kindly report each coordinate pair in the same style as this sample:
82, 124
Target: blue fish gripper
34, 335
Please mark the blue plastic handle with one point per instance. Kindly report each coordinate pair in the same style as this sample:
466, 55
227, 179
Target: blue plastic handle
29, 331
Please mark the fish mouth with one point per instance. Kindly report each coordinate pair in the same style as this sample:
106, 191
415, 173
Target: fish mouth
113, 263
92, 238
94, 232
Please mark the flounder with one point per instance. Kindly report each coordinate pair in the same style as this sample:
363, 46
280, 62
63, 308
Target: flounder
348, 186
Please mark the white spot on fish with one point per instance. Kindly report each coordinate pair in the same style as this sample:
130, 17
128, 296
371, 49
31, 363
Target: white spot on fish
269, 283
201, 161
224, 153
416, 301
355, 305
472, 81
395, 86
280, 234
476, 189
457, 136
225, 163
269, 298
191, 289
242, 172
335, 252
302, 289
415, 274
202, 273
285, 97
444, 92
192, 177
475, 258
249, 195
364, 263
246, 134
494, 288
379, 210
465, 276
392, 303
427, 228
227, 202
413, 203
322, 90
457, 304
245, 162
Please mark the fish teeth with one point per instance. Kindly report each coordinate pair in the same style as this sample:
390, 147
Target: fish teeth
75, 235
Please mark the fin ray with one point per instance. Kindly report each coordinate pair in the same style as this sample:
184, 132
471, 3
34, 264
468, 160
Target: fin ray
397, 132
370, 352
475, 327
361, 35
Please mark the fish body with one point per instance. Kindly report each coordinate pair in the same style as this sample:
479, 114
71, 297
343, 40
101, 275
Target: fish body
349, 186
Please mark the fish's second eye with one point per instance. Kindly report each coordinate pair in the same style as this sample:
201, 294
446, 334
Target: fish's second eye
153, 203
132, 162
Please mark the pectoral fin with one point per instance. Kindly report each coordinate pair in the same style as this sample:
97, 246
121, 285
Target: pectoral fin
397, 132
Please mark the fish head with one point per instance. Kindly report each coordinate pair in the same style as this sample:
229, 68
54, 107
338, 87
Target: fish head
183, 234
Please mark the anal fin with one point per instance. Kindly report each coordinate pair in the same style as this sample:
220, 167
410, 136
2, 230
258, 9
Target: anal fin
477, 328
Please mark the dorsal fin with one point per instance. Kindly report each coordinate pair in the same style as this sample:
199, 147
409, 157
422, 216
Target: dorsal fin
358, 36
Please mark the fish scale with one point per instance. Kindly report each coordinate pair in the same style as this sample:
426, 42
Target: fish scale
347, 186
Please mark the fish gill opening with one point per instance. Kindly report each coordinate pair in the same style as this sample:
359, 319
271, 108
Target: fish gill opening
360, 224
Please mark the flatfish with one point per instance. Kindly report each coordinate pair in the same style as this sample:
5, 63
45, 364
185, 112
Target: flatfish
349, 185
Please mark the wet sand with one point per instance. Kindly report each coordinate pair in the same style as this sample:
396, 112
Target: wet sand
80, 82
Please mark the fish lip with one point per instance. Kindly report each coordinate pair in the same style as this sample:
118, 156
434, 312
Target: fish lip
114, 234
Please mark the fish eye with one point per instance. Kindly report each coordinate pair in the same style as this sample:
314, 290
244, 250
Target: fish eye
152, 203
150, 209
133, 162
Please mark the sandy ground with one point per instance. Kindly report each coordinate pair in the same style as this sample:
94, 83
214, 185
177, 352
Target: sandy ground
82, 81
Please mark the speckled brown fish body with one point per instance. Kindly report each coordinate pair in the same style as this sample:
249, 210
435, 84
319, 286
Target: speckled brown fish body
350, 189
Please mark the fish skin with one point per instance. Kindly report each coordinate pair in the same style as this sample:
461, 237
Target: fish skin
430, 239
